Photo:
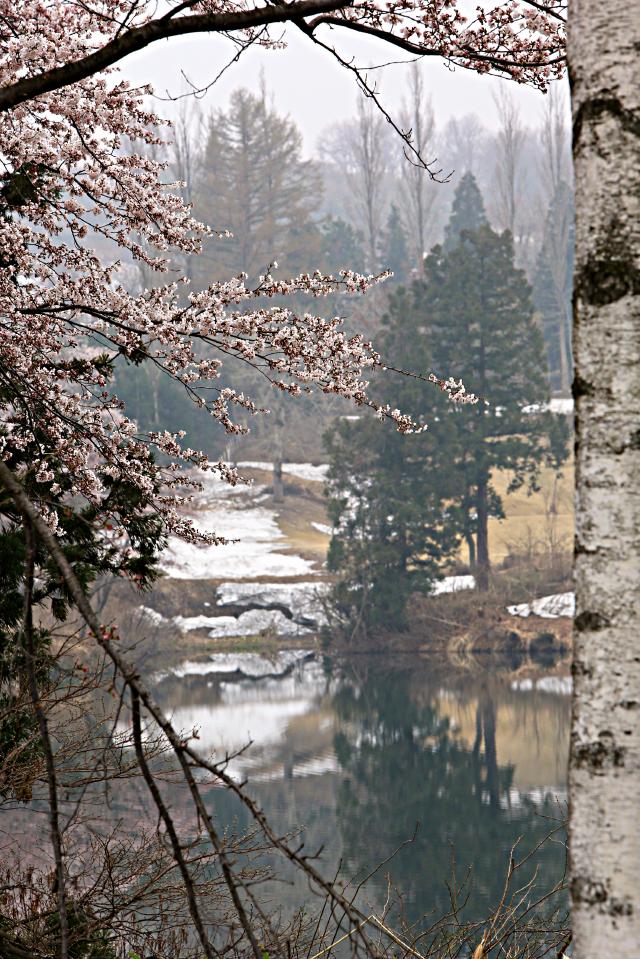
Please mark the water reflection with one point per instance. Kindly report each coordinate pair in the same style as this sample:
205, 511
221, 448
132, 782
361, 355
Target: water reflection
357, 752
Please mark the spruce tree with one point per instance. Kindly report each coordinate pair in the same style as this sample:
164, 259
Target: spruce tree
467, 212
342, 246
395, 255
478, 317
400, 503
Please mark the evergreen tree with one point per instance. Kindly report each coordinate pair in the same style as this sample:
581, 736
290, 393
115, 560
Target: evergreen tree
400, 503
256, 184
478, 315
342, 246
392, 530
467, 212
388, 499
395, 255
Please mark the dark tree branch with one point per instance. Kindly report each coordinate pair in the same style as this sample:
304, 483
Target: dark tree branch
140, 37
45, 739
500, 63
178, 856
186, 756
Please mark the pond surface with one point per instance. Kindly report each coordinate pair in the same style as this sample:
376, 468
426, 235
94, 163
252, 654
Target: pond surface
357, 752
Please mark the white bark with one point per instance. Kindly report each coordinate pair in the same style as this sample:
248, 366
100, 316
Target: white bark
604, 47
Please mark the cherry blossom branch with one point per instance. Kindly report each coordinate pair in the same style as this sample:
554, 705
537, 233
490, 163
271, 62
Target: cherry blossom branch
137, 38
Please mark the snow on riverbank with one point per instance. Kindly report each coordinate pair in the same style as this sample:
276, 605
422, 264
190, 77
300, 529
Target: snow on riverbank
548, 607
559, 405
303, 600
452, 584
254, 553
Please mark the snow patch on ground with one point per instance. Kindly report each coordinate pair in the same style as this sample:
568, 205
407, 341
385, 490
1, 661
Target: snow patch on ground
452, 584
254, 554
559, 405
151, 615
548, 607
303, 600
323, 528
256, 621
188, 623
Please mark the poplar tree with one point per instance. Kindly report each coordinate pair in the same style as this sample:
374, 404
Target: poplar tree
552, 283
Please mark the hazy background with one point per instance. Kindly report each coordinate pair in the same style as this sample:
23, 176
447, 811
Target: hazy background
307, 83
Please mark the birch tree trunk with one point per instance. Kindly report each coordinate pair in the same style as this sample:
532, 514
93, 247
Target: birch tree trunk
604, 52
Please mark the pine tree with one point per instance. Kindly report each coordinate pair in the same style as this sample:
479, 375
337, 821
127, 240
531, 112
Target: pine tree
467, 212
342, 246
395, 255
256, 184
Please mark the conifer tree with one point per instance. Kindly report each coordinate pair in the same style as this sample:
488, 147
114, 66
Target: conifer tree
341, 243
478, 317
395, 255
256, 184
392, 531
467, 212
400, 503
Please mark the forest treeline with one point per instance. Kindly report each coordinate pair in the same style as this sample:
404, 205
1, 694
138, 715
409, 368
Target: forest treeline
357, 203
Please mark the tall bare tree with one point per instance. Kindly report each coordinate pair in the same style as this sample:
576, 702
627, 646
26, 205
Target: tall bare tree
555, 140
362, 149
509, 142
605, 746
556, 209
417, 190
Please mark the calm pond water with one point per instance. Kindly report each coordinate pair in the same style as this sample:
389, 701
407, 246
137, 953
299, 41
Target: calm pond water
357, 751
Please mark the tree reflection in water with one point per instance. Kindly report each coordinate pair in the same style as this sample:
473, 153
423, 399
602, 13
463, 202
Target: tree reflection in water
405, 766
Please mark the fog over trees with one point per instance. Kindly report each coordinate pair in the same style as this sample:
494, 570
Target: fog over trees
353, 198
162, 298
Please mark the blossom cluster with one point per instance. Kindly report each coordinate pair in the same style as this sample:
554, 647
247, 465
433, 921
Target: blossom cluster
71, 184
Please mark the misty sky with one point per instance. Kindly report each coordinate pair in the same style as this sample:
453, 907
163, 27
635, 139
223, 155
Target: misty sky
308, 84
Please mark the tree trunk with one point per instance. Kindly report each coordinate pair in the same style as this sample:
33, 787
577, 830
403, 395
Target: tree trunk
490, 751
277, 481
604, 778
482, 535
471, 546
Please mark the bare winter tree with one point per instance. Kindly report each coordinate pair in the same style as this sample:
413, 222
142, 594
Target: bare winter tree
555, 209
362, 148
555, 131
509, 141
605, 747
464, 141
417, 191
